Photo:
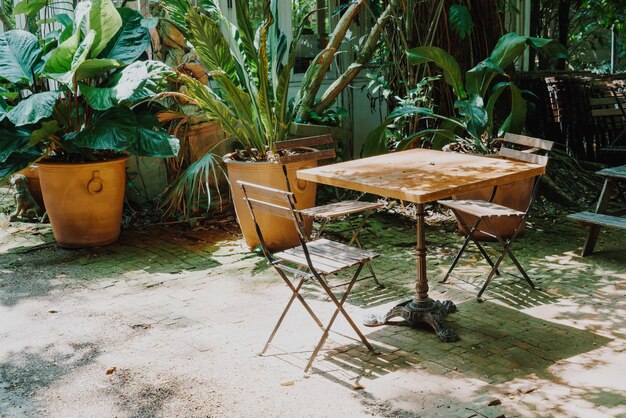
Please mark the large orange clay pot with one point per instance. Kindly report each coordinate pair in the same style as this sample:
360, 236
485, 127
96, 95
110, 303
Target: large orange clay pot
515, 195
278, 233
84, 201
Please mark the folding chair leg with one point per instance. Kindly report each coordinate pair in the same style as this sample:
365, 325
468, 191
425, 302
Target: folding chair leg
491, 274
458, 255
295, 294
521, 270
355, 239
318, 233
486, 256
339, 308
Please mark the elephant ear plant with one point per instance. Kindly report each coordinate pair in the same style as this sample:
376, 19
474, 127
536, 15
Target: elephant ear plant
476, 96
80, 93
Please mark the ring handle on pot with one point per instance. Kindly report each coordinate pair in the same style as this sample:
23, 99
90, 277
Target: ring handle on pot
301, 185
95, 185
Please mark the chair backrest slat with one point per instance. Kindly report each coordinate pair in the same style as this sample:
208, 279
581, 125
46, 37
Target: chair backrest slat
258, 205
606, 112
308, 156
528, 141
523, 156
311, 141
266, 192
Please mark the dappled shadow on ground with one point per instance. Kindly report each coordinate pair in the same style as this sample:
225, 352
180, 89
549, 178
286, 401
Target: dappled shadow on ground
497, 344
24, 373
158, 254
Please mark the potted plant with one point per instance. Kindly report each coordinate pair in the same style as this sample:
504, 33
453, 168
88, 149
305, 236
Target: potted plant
85, 110
247, 95
474, 127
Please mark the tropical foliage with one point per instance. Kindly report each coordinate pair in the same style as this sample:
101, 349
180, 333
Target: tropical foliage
86, 88
248, 91
308, 106
476, 96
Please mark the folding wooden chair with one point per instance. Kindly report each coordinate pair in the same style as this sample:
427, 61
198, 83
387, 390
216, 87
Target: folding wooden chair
311, 260
486, 212
323, 214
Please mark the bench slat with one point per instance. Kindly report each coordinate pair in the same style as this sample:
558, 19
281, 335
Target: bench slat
599, 219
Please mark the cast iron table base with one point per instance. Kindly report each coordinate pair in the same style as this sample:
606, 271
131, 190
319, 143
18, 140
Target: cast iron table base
413, 313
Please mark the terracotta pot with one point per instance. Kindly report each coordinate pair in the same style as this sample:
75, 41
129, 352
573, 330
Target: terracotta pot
32, 173
515, 195
279, 233
84, 201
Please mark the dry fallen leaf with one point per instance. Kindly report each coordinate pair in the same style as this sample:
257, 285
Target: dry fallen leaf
111, 370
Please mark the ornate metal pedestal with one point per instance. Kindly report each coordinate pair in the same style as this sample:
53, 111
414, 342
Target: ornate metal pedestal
413, 313
421, 309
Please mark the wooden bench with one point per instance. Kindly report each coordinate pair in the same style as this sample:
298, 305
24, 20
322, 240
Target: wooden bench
600, 217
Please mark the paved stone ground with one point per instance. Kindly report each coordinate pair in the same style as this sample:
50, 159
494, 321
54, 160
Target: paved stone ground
168, 322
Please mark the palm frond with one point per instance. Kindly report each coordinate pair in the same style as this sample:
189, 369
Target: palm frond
194, 188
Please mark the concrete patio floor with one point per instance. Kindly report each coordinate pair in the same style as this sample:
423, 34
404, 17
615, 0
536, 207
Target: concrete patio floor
168, 322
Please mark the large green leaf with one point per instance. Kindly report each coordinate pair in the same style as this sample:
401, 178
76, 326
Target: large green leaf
12, 140
48, 128
105, 21
19, 54
516, 119
60, 59
446, 62
34, 108
80, 56
95, 67
475, 115
246, 31
3, 108
512, 45
551, 47
376, 141
477, 79
15, 153
152, 140
129, 81
138, 81
115, 129
29, 7
130, 41
461, 20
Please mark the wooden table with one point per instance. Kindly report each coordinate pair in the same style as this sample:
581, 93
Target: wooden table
421, 176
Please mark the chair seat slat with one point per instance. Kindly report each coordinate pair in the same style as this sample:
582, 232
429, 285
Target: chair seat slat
335, 210
481, 208
321, 264
363, 254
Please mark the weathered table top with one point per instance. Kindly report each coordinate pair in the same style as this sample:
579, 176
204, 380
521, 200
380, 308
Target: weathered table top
421, 175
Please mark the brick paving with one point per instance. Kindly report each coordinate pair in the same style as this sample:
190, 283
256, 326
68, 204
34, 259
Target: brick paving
181, 314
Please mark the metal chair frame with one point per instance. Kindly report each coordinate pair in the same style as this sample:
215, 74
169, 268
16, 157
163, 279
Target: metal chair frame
317, 154
310, 272
529, 155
